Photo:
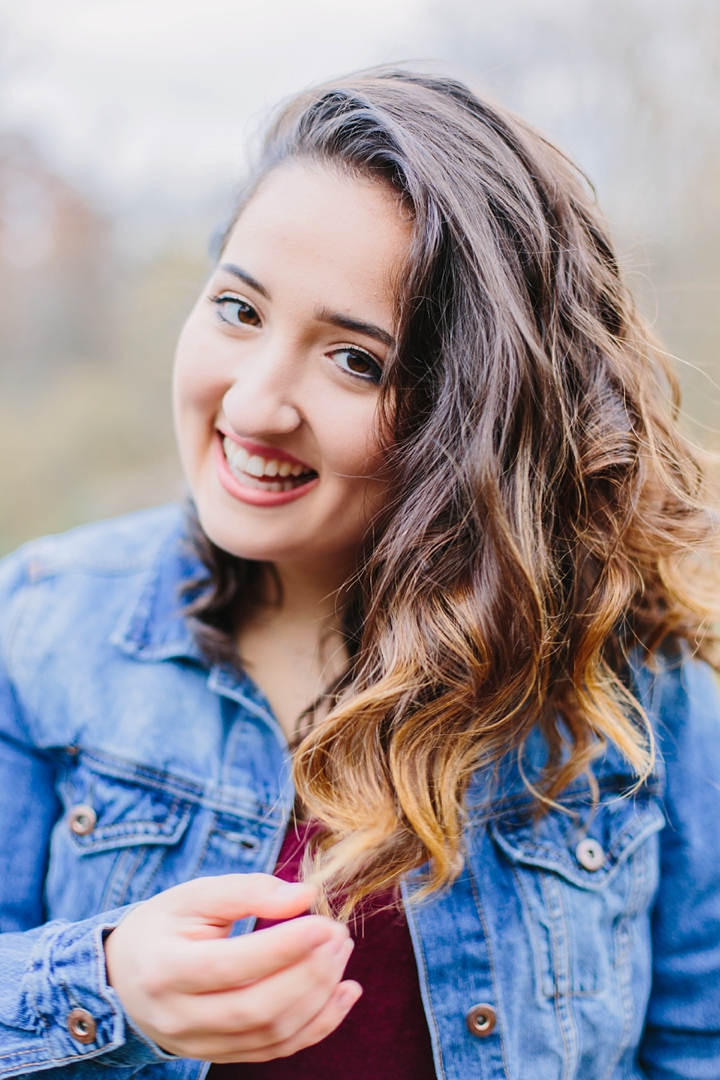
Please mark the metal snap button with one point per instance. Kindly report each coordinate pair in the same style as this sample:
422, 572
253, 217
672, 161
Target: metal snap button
590, 854
81, 1025
82, 819
481, 1020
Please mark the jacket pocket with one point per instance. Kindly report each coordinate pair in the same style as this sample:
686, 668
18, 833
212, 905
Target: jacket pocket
586, 880
108, 848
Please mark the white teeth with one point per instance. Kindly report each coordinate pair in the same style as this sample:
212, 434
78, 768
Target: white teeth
262, 485
255, 466
251, 468
239, 457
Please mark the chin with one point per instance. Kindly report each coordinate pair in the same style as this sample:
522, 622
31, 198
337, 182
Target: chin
242, 539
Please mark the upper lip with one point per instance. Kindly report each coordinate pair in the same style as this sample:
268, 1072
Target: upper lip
270, 453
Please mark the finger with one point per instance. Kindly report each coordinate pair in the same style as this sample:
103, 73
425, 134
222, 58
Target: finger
214, 965
231, 897
281, 1004
325, 1022
329, 1018
274, 1008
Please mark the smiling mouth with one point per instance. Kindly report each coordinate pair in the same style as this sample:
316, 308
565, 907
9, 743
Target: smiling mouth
264, 474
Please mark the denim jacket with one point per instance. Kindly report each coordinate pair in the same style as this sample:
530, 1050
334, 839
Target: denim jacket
583, 945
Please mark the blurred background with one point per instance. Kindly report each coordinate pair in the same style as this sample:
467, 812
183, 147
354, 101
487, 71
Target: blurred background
124, 128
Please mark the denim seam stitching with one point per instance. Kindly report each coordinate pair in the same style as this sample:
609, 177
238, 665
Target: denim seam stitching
120, 876
491, 965
535, 943
637, 867
191, 794
16, 1053
562, 1001
158, 856
205, 848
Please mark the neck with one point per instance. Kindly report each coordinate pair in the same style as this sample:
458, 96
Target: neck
294, 649
313, 596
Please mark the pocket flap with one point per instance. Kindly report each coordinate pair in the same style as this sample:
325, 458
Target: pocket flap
558, 842
120, 814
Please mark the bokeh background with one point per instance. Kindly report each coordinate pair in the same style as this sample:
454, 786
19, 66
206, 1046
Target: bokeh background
124, 132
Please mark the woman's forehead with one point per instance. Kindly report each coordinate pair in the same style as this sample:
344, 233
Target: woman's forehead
322, 228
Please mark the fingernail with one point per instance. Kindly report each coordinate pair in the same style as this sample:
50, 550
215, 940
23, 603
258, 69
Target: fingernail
349, 995
294, 886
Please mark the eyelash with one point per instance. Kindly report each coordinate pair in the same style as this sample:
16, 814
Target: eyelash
373, 378
376, 371
223, 298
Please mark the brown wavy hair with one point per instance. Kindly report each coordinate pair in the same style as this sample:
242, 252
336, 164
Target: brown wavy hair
546, 514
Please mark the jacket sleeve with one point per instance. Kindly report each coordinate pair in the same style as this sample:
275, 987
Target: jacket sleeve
682, 1035
46, 971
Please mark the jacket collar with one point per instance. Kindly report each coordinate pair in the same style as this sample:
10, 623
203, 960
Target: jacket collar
153, 627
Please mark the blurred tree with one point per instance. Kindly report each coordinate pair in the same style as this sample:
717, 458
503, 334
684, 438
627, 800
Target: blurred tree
631, 89
86, 344
54, 256
89, 313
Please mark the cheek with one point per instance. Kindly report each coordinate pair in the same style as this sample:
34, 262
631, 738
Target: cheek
353, 442
359, 489
195, 400
198, 384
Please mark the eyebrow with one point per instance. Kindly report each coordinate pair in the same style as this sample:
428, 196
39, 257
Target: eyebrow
238, 272
344, 322
355, 326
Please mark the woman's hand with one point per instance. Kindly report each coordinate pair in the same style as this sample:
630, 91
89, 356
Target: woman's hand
199, 994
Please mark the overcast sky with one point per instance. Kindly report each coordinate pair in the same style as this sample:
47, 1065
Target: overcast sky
131, 97
148, 105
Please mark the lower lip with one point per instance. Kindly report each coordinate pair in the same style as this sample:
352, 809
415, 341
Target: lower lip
254, 496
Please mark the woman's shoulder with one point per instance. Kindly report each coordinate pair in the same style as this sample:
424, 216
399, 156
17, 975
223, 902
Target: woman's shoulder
681, 697
127, 543
679, 694
76, 609
677, 688
61, 587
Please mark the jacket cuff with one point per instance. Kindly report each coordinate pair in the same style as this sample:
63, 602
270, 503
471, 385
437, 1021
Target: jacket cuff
67, 1011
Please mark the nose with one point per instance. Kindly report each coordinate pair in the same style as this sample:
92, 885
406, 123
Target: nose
263, 399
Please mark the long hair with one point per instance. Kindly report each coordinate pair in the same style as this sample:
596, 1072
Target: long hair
545, 515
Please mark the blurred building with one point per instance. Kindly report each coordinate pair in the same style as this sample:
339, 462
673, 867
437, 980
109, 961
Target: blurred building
148, 107
86, 345
54, 253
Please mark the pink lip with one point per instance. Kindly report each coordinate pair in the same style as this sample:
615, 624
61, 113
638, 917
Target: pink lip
254, 496
268, 452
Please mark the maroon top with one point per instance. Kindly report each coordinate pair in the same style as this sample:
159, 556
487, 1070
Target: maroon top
385, 1034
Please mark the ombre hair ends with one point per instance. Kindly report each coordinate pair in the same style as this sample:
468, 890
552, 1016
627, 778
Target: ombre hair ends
546, 516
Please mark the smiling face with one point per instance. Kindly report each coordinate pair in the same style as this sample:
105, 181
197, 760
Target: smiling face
278, 366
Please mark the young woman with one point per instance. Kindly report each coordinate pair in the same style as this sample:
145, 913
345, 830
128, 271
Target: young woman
427, 639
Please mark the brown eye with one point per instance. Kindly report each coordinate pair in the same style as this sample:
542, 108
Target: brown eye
235, 311
358, 363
